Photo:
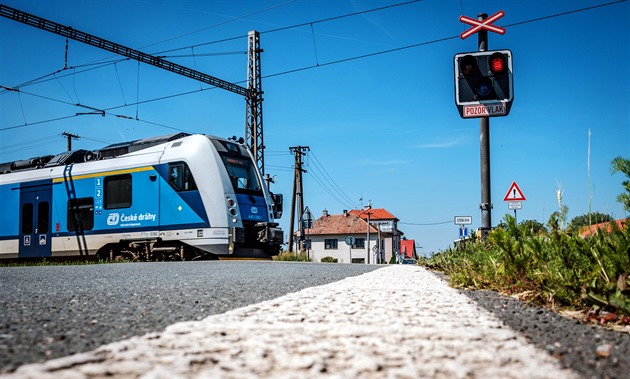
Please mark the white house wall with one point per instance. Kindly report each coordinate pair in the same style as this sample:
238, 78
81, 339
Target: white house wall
343, 251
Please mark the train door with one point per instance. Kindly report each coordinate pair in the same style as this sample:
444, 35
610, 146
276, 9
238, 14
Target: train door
35, 217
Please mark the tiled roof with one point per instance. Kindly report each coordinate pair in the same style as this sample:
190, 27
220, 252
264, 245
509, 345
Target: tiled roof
340, 224
605, 226
375, 214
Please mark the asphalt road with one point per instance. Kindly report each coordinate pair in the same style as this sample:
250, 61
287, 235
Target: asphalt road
54, 311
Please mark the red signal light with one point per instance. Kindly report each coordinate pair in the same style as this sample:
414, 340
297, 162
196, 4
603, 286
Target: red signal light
497, 63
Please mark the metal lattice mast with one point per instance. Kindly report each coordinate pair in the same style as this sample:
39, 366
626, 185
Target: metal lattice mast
254, 120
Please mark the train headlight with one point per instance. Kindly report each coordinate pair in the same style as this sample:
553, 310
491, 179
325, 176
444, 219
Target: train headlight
232, 208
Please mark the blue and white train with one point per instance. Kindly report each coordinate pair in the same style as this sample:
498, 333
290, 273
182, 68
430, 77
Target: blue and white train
176, 197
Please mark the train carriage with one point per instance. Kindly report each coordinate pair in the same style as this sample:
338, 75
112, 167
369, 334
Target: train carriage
173, 197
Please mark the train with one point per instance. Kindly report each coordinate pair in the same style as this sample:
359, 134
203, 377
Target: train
175, 197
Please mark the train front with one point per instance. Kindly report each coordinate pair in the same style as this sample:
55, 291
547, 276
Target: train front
251, 208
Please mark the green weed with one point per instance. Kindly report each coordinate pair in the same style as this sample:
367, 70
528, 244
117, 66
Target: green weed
556, 268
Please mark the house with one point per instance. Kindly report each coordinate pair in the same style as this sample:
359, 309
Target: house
348, 236
408, 249
604, 226
386, 223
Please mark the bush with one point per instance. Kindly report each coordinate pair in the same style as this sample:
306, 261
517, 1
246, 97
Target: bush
553, 268
329, 260
291, 256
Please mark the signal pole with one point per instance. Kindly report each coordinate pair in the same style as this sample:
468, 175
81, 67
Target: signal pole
297, 191
484, 89
484, 144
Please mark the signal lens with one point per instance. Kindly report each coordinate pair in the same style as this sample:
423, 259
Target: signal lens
468, 66
497, 63
483, 87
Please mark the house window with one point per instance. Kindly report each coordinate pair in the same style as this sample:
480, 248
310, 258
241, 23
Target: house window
359, 243
330, 244
118, 191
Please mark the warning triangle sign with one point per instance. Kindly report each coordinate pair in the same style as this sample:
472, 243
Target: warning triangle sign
514, 193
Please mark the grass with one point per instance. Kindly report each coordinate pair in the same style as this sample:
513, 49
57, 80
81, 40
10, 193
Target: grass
51, 262
555, 268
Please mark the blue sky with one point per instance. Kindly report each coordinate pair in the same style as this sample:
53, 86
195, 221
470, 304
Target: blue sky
382, 128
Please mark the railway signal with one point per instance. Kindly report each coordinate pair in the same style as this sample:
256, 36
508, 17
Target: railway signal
484, 83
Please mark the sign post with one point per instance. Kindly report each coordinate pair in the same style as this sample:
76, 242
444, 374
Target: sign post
307, 220
462, 221
514, 197
350, 240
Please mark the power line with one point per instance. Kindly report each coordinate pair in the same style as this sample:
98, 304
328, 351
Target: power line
331, 181
218, 24
565, 13
426, 224
328, 191
343, 60
298, 25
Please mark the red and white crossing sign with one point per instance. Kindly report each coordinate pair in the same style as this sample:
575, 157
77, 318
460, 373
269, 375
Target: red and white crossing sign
514, 193
479, 25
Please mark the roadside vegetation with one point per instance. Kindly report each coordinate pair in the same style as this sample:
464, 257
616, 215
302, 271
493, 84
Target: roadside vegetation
52, 262
291, 256
551, 265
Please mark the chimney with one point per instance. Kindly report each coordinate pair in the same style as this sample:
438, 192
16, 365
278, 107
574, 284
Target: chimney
325, 213
345, 213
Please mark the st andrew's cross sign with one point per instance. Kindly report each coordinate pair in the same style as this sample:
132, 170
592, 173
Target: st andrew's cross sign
479, 25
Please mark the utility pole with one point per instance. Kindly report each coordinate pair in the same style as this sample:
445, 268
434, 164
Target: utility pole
367, 253
299, 151
484, 142
70, 137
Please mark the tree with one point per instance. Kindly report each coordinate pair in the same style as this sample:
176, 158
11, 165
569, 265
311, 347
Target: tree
622, 165
533, 226
589, 219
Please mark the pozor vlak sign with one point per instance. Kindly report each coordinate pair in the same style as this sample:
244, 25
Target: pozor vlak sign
484, 83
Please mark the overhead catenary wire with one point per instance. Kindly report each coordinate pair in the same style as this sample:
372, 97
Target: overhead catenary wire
338, 61
298, 25
96, 111
426, 224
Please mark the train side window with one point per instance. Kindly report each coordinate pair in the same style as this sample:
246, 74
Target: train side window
117, 190
42, 217
27, 218
81, 214
180, 177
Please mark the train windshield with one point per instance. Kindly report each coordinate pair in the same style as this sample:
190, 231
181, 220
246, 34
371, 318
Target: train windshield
242, 174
